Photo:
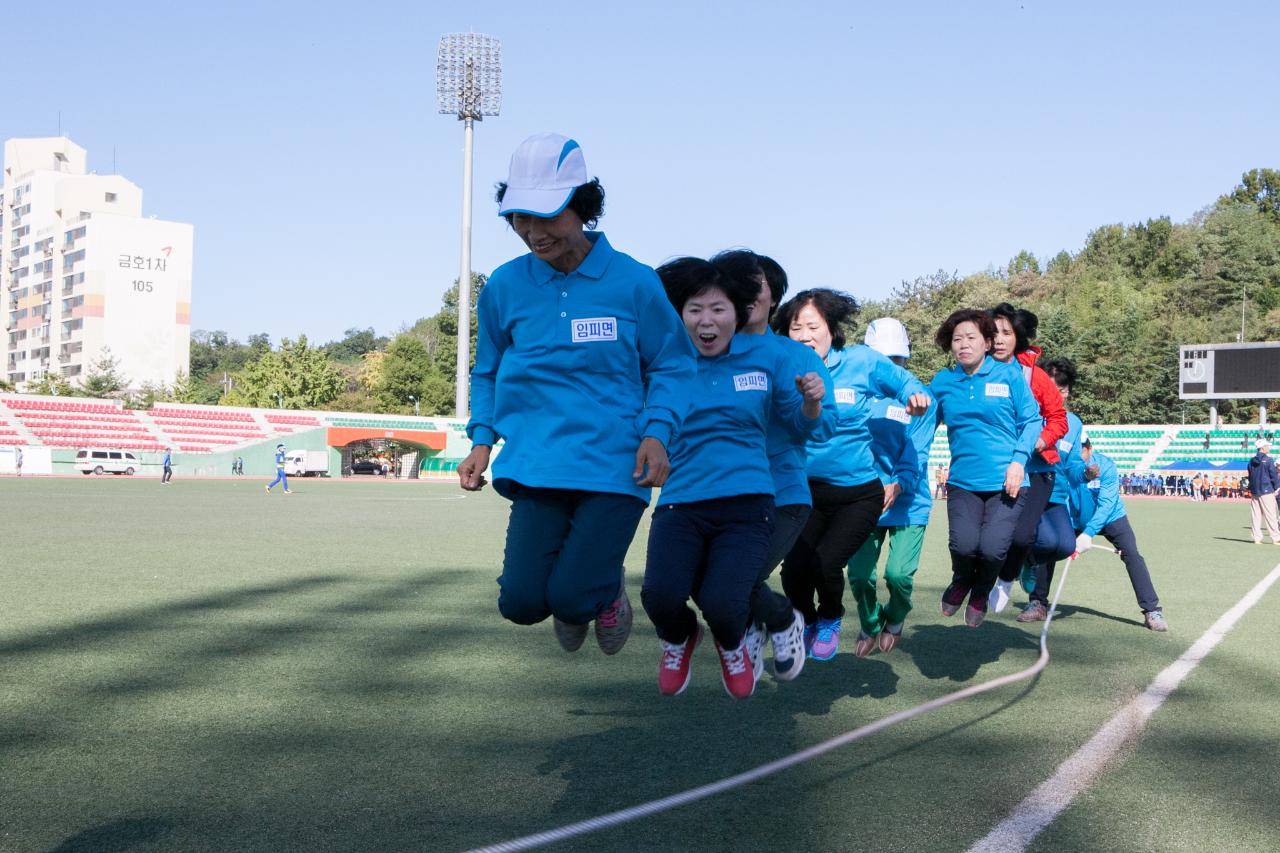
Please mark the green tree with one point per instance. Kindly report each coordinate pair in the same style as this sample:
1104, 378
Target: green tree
301, 375
51, 384
354, 344
1259, 188
103, 378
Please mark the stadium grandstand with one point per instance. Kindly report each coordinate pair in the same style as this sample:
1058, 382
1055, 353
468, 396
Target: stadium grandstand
205, 439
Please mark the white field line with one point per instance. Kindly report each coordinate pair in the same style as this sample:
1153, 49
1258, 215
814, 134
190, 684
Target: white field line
605, 821
1078, 772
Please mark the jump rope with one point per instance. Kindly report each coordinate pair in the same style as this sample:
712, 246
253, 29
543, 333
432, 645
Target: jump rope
701, 792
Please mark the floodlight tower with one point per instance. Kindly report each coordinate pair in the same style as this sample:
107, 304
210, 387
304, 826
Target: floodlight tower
468, 85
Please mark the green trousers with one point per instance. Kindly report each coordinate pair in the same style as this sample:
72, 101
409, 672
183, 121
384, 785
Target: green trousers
899, 575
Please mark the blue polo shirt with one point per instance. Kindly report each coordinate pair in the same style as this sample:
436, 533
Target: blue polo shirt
991, 419
279, 458
721, 448
786, 447
900, 444
168, 459
1068, 458
1097, 502
858, 373
574, 369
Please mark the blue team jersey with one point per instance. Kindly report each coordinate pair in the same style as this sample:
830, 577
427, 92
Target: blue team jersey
279, 458
786, 447
991, 419
1097, 502
1068, 458
720, 450
574, 369
900, 445
858, 373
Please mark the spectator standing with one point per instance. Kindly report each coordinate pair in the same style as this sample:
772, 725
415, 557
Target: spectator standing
1263, 482
940, 490
168, 467
17, 460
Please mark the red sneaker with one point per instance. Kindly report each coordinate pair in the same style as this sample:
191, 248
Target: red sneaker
675, 668
737, 670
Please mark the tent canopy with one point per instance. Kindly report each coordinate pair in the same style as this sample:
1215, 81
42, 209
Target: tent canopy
1204, 465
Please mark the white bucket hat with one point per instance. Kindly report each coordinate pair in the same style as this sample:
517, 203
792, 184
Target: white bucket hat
888, 337
545, 170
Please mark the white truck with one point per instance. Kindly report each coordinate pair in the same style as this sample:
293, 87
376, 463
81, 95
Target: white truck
307, 463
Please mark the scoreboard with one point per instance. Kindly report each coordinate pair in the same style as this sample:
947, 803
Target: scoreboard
1229, 371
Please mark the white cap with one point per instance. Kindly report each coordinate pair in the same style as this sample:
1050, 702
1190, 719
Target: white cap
1261, 443
888, 337
545, 170
1084, 438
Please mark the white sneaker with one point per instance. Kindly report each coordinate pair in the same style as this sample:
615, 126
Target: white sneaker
754, 640
788, 649
999, 598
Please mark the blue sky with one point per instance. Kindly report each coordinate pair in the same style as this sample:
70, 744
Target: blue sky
860, 144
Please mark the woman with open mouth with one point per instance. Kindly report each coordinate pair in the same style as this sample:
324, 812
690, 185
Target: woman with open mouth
710, 531
582, 368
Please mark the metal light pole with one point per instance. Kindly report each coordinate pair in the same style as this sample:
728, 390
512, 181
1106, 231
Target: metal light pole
414, 400
468, 85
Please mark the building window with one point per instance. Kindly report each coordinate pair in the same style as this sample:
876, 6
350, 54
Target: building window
111, 196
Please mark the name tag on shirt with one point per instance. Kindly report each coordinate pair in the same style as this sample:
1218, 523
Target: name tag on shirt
1095, 484
997, 389
1064, 445
595, 329
848, 396
899, 414
754, 381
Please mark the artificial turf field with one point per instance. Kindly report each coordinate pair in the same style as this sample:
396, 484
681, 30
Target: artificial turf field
203, 666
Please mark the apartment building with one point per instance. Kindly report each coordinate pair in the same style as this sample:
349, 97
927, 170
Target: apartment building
86, 273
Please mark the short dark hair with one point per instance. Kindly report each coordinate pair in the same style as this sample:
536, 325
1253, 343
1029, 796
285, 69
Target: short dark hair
684, 278
776, 277
1024, 323
1062, 371
587, 201
981, 319
742, 266
835, 306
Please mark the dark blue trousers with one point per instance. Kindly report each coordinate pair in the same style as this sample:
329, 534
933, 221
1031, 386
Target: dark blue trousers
981, 530
564, 553
710, 551
1120, 534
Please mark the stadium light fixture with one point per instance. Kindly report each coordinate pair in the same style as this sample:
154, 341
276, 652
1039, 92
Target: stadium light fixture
414, 400
468, 85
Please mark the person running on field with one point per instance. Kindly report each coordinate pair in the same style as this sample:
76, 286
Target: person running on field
280, 477
1015, 329
1056, 534
710, 531
582, 367
900, 444
992, 425
1264, 480
1101, 511
772, 611
848, 497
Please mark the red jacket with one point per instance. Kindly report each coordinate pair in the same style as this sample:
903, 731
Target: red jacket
1050, 399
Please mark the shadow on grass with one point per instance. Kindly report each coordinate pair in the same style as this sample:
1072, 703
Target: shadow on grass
78, 637
957, 652
1066, 611
115, 837
1234, 539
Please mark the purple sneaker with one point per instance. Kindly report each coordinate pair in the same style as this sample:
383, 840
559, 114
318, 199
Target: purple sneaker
827, 642
810, 634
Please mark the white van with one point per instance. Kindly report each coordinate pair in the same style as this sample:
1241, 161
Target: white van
98, 460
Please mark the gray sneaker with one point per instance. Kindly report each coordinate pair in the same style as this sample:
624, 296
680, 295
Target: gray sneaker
755, 647
613, 625
570, 637
1154, 619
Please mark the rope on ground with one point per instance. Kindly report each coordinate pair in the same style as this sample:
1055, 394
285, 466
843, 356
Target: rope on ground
627, 815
